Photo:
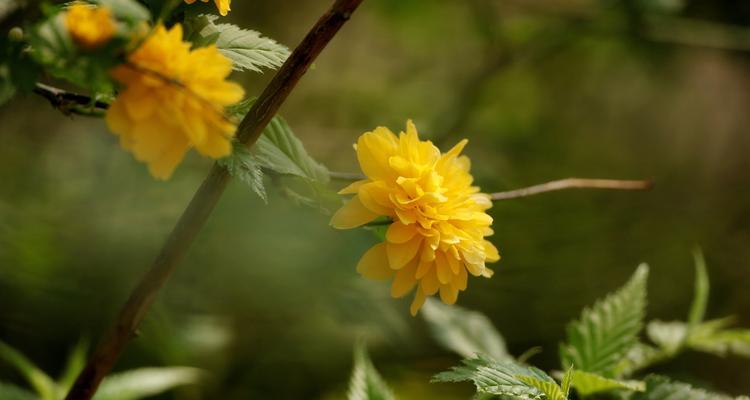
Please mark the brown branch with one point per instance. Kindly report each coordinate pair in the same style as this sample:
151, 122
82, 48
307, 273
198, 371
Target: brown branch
204, 200
572, 183
71, 103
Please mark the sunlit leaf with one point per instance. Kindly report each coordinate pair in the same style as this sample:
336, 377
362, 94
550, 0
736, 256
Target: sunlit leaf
465, 332
605, 332
279, 150
587, 383
247, 49
701, 292
502, 378
139, 383
366, 383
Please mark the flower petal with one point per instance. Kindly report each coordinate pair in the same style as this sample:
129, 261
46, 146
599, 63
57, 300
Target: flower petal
352, 215
374, 264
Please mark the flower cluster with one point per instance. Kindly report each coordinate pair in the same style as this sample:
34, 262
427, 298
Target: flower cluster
224, 6
174, 99
89, 26
439, 223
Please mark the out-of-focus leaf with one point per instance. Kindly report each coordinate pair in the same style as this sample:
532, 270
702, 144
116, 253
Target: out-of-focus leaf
713, 337
366, 383
127, 9
13, 392
41, 382
74, 365
606, 332
638, 357
143, 382
701, 292
465, 332
502, 378
587, 383
669, 336
658, 388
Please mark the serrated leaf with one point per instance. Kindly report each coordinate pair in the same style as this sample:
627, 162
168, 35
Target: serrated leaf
143, 382
13, 392
587, 384
242, 165
658, 388
638, 357
41, 382
280, 151
551, 390
247, 49
567, 381
465, 332
605, 332
366, 383
701, 292
501, 378
713, 337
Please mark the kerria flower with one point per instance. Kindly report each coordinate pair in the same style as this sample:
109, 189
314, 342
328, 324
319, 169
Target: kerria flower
222, 5
89, 26
173, 99
439, 223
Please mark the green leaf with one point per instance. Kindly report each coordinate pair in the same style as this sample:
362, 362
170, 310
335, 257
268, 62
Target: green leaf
658, 388
587, 384
638, 357
551, 390
712, 337
702, 290
669, 336
41, 382
465, 332
74, 365
366, 383
567, 381
247, 49
242, 165
130, 10
13, 392
143, 382
502, 378
280, 151
605, 332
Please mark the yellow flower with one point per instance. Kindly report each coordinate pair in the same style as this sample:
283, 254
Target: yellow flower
222, 5
89, 26
173, 98
440, 222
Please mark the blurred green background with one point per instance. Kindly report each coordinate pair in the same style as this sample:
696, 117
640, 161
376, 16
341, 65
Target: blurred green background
268, 299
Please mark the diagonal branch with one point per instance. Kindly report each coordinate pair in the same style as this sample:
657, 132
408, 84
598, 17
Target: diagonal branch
204, 200
571, 183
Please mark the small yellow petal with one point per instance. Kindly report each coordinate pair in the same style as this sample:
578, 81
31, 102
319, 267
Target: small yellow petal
417, 303
404, 281
374, 264
399, 254
400, 233
352, 215
448, 294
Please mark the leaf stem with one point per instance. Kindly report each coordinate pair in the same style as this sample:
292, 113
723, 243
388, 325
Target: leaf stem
204, 201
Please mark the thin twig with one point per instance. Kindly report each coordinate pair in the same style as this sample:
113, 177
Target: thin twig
71, 103
572, 183
204, 201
